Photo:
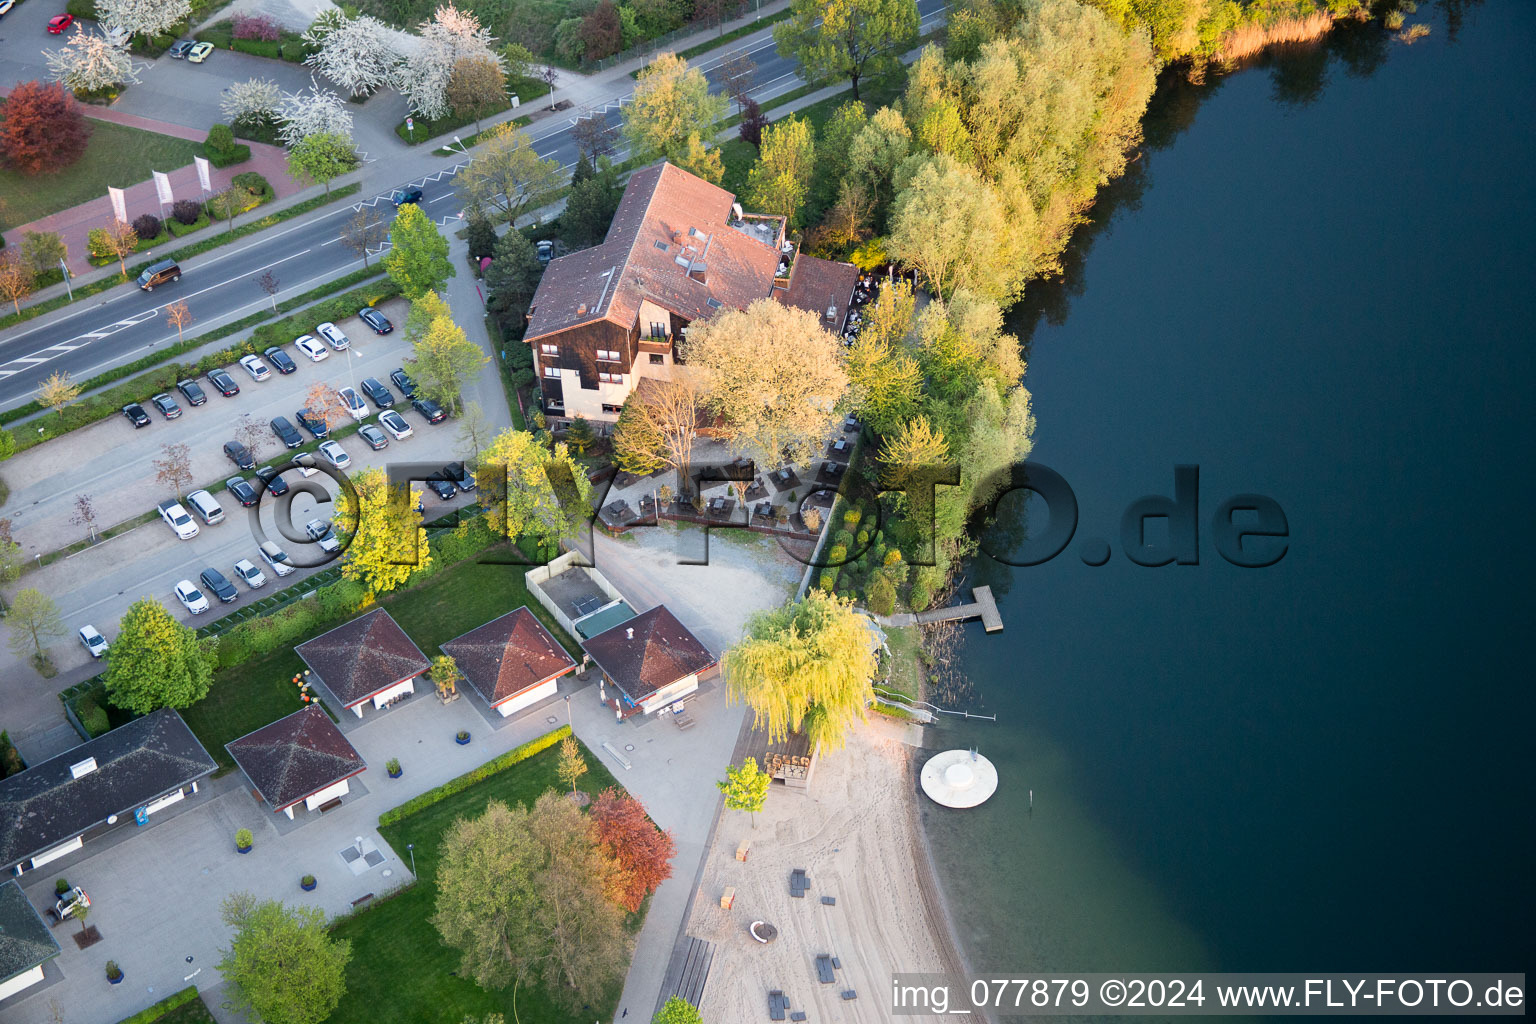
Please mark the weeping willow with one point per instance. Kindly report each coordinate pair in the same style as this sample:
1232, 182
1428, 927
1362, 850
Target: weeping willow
805, 667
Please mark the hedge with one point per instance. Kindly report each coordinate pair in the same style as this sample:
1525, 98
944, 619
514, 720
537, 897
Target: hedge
453, 787
163, 1007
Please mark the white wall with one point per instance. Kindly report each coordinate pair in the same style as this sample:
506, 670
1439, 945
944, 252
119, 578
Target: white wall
667, 694
513, 705
385, 696
58, 851
21, 981
328, 793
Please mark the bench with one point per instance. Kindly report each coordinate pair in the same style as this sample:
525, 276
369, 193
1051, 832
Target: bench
329, 805
364, 898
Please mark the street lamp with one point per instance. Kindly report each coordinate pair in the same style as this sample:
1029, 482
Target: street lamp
462, 147
568, 713
411, 849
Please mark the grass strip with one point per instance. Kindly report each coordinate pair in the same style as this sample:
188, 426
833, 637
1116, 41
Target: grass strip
96, 287
455, 786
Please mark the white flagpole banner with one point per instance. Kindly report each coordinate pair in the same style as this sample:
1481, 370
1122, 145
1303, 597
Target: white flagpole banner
119, 206
202, 173
163, 188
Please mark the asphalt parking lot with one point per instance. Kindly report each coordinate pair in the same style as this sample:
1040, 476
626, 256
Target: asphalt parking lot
113, 463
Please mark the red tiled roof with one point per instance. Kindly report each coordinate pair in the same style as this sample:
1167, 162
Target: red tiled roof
295, 757
359, 658
817, 284
508, 655
667, 205
650, 651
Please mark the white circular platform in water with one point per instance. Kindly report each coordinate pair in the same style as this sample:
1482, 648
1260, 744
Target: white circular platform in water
959, 778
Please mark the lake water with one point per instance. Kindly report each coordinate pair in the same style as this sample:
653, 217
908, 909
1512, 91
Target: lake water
1316, 285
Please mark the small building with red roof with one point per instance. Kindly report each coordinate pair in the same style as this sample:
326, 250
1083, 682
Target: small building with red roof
512, 661
300, 759
369, 660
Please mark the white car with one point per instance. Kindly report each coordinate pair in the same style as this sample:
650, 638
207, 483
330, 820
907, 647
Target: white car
333, 336
191, 597
354, 403
320, 532
255, 367
247, 573
93, 641
178, 519
395, 424
335, 454
275, 557
307, 344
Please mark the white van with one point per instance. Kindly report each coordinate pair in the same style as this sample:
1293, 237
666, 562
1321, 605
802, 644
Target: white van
276, 558
209, 510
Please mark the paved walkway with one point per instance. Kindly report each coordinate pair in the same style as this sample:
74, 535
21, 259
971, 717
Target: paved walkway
75, 223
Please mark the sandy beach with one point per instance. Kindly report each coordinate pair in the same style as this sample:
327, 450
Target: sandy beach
856, 834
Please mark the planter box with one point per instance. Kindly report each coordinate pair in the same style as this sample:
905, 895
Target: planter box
462, 740
117, 980
310, 887
244, 849
397, 774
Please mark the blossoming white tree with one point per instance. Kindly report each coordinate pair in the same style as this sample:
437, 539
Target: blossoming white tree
315, 111
357, 54
89, 62
449, 37
255, 99
142, 17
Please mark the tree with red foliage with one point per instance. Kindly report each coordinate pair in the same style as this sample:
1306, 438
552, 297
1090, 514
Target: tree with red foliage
42, 129
602, 31
641, 851
753, 121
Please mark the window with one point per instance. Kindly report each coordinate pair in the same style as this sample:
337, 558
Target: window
660, 245
657, 359
614, 409
712, 303
658, 331
552, 371
611, 378
554, 404
608, 355
549, 349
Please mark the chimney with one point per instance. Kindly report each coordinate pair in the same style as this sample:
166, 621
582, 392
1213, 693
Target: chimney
581, 310
677, 238
629, 633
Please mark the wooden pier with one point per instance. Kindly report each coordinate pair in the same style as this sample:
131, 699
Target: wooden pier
981, 606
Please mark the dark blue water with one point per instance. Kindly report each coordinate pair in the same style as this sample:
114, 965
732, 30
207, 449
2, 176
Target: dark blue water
1317, 285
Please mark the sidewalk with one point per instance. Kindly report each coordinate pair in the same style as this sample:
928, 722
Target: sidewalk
75, 223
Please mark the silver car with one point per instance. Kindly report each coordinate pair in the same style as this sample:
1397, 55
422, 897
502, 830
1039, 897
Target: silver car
247, 573
333, 336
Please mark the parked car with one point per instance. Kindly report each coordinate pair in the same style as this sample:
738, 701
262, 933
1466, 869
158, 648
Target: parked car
224, 383
275, 557
180, 50
400, 379
241, 490
430, 409
255, 367
377, 393
192, 391
200, 52
191, 598
93, 641
166, 406
178, 519
441, 487
310, 347
314, 424
5, 6
395, 424
59, 24
285, 432
219, 584
375, 320
207, 507
460, 475
272, 477
320, 532
409, 194
136, 415
335, 454
333, 336
372, 436
247, 573
546, 251
239, 454
356, 407
280, 361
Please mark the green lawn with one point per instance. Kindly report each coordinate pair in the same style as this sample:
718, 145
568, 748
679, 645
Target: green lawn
195, 1012
395, 949
247, 696
117, 156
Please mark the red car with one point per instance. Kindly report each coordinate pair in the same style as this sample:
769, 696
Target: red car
59, 23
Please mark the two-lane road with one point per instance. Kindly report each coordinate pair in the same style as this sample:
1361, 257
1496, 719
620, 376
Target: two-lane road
101, 333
